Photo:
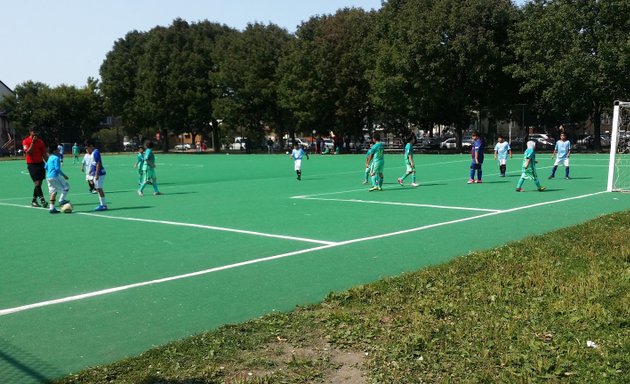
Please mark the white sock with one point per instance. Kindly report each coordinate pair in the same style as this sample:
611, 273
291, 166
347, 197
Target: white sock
101, 200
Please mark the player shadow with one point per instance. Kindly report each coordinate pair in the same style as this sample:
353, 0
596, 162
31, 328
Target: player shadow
495, 182
21, 366
128, 208
176, 193
576, 178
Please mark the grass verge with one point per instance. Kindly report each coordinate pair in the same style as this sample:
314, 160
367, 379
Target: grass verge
520, 313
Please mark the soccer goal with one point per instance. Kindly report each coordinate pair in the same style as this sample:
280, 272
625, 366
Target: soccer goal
619, 166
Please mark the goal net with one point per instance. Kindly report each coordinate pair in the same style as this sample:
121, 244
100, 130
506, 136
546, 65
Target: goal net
619, 166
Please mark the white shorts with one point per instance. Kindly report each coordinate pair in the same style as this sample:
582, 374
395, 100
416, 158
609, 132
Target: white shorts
98, 184
57, 184
297, 165
410, 169
566, 162
88, 177
502, 161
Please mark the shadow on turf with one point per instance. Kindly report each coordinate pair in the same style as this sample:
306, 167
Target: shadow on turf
17, 365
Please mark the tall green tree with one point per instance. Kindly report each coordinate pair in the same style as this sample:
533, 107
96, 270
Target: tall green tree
438, 60
574, 56
248, 76
324, 80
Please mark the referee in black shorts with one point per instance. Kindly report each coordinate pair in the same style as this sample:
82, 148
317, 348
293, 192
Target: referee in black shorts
35, 151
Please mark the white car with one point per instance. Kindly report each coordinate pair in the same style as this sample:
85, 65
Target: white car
183, 147
451, 143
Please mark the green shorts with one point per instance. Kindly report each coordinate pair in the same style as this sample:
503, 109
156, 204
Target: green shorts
149, 174
378, 167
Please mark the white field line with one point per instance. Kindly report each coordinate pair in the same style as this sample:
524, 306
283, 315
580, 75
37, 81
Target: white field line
402, 204
8, 311
200, 226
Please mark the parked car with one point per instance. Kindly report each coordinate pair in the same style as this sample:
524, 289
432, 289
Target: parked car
451, 143
239, 144
428, 143
184, 147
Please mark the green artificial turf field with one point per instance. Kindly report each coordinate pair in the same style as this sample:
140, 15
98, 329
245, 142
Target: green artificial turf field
237, 236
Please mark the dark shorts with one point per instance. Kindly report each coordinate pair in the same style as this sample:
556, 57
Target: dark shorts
37, 171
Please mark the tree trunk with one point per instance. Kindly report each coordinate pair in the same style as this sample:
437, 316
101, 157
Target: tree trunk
597, 125
216, 143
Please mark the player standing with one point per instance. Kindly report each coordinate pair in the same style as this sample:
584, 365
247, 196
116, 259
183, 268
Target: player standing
368, 165
297, 154
477, 151
409, 163
377, 161
85, 168
529, 168
56, 179
35, 151
98, 171
501, 151
148, 170
563, 151
139, 164
75, 153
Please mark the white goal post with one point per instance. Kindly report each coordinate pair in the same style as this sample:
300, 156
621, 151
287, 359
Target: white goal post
619, 165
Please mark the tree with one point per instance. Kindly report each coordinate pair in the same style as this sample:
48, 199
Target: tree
248, 79
439, 60
573, 56
324, 80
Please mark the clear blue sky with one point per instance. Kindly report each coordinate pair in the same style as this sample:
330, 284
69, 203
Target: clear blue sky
65, 41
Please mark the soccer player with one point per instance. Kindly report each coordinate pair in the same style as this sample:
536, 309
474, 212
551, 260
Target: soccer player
98, 171
61, 149
563, 151
35, 151
367, 165
75, 153
477, 151
297, 154
85, 168
529, 168
56, 179
148, 170
377, 161
409, 163
501, 151
139, 164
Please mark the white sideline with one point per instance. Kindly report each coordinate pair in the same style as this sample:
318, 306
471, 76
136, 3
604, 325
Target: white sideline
402, 204
8, 311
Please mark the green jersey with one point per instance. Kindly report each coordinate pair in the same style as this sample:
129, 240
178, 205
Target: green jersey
529, 171
377, 152
408, 152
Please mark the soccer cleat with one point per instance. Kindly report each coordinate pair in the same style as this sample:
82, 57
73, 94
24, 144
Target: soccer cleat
568, 178
542, 189
478, 181
380, 188
43, 203
519, 189
364, 182
53, 210
101, 208
157, 193
400, 182
470, 181
140, 193
34, 204
551, 177
414, 184
62, 202
373, 189
93, 191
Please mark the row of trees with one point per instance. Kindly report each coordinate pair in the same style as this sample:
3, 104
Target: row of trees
411, 63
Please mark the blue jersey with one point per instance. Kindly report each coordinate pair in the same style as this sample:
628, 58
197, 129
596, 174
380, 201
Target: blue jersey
502, 150
479, 148
297, 154
96, 159
53, 167
562, 149
408, 152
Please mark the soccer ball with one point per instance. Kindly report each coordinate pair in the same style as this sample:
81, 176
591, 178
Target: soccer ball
66, 208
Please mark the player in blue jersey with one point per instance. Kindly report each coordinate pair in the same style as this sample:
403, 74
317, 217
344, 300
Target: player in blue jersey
529, 168
148, 171
563, 152
97, 170
56, 179
501, 151
409, 163
377, 163
477, 151
297, 154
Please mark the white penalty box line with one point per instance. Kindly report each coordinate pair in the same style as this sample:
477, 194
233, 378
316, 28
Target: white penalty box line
397, 203
8, 311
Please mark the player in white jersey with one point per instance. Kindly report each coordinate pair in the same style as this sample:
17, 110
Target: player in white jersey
501, 151
563, 152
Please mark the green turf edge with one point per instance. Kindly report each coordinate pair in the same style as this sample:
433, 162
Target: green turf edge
519, 313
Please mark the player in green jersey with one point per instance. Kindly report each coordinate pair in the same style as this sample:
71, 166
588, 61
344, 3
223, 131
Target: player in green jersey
377, 161
409, 163
529, 168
